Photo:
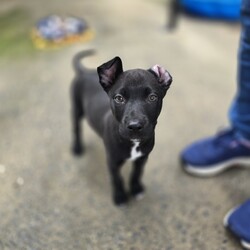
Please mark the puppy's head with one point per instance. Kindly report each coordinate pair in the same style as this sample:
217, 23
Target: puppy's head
135, 96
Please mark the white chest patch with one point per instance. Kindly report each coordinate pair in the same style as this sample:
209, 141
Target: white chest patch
135, 153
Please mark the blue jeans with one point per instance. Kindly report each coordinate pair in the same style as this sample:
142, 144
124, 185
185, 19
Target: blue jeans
240, 110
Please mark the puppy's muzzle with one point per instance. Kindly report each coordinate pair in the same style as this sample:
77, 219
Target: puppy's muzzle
136, 128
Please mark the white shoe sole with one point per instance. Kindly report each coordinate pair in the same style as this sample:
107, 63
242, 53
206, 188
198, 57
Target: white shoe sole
245, 244
215, 169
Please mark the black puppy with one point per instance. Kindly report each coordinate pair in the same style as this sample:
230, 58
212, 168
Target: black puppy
124, 115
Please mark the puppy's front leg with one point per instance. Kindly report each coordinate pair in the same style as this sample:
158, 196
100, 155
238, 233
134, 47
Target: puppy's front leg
119, 194
136, 187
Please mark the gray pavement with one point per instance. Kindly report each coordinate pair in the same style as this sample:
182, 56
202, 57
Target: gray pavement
51, 200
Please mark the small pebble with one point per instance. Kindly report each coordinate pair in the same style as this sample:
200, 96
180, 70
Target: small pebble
2, 169
20, 181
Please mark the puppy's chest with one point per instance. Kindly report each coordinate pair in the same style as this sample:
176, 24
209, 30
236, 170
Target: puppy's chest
135, 151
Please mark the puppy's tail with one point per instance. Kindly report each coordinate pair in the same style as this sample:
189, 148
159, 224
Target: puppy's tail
78, 67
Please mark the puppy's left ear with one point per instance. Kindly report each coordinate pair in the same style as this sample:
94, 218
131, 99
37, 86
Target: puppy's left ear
163, 76
109, 71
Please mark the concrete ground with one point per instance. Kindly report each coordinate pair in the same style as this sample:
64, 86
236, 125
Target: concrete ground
51, 200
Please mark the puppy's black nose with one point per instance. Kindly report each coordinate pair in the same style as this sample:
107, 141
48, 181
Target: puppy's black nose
135, 125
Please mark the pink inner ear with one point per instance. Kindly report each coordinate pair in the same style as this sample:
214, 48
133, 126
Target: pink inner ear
108, 75
162, 74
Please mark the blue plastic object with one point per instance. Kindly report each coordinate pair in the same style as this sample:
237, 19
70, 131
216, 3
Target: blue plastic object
214, 9
55, 31
54, 27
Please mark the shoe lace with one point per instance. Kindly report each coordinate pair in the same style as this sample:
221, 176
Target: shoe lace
227, 138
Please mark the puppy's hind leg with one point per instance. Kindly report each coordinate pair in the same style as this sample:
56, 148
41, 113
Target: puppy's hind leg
77, 114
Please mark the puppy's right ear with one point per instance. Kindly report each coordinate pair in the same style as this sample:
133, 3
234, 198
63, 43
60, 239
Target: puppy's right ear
109, 71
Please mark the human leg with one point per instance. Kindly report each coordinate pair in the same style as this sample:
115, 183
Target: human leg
240, 110
231, 148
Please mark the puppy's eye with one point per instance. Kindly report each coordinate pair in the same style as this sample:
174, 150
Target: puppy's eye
152, 97
119, 98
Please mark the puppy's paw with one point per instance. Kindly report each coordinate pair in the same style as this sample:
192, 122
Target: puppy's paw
140, 196
120, 199
137, 191
77, 150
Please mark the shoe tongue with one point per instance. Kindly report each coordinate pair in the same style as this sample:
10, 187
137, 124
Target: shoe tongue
229, 133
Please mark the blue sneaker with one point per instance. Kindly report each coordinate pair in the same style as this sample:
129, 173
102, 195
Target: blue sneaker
238, 222
214, 155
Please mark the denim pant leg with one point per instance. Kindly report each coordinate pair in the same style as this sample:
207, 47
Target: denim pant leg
240, 110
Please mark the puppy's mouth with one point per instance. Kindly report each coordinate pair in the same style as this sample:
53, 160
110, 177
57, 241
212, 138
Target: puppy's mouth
136, 140
137, 136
